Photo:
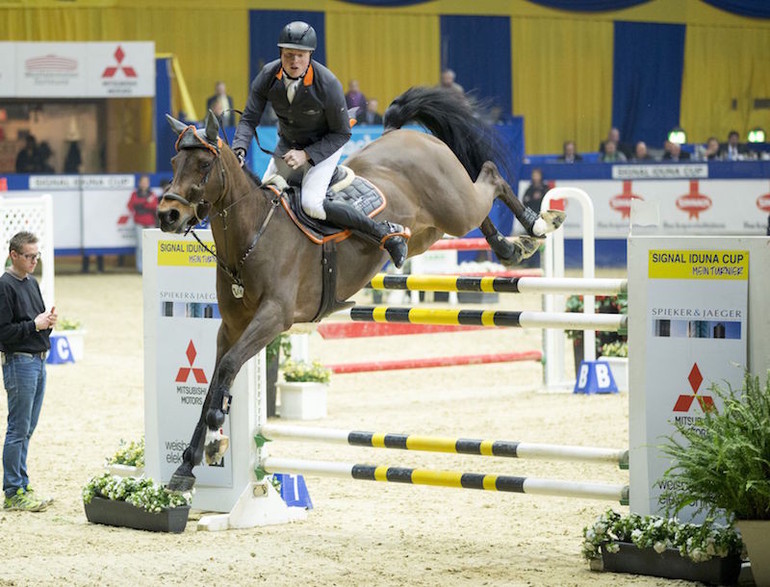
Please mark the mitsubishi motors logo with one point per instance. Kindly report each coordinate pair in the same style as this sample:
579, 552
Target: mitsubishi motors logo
622, 202
693, 203
184, 372
127, 70
684, 402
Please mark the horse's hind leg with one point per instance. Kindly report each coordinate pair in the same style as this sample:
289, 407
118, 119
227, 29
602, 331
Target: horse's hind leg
537, 225
509, 251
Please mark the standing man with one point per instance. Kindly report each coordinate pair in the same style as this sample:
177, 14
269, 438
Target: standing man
144, 207
221, 104
313, 127
24, 330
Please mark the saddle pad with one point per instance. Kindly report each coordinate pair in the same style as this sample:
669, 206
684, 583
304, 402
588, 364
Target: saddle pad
360, 193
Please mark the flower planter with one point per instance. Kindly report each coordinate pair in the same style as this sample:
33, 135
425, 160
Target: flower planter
756, 537
121, 513
303, 400
670, 565
125, 470
75, 338
619, 368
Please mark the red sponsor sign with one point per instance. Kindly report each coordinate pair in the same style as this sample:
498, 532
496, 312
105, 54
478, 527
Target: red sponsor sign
622, 202
184, 372
763, 203
693, 203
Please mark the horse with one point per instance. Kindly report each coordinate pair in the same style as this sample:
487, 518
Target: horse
269, 275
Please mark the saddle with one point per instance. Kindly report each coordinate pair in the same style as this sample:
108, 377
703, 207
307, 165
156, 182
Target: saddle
345, 184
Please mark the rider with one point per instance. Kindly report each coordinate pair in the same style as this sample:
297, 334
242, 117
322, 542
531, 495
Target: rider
313, 127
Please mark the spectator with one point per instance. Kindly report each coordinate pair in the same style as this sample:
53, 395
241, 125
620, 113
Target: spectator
733, 150
712, 149
355, 99
448, 81
640, 153
570, 154
370, 115
533, 197
143, 205
614, 135
674, 152
611, 153
28, 159
45, 153
221, 102
25, 326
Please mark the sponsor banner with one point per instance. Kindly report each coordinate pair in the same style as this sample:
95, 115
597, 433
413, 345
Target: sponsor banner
73, 182
687, 207
661, 171
78, 70
186, 254
696, 336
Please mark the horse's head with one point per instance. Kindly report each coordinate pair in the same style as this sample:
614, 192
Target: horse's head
199, 175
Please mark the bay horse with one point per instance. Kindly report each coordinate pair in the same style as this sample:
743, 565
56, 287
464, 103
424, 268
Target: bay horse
269, 275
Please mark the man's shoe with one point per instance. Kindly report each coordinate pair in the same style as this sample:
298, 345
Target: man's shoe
395, 241
23, 502
46, 500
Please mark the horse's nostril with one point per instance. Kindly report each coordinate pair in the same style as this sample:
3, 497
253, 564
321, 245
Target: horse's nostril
173, 215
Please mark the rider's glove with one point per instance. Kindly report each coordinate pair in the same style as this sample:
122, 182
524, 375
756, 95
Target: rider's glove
241, 154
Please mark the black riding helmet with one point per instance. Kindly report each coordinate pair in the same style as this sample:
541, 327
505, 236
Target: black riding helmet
298, 35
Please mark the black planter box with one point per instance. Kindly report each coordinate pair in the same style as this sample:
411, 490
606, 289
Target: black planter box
121, 513
671, 565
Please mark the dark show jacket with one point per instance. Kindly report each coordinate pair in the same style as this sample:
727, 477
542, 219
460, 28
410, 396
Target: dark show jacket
316, 121
20, 302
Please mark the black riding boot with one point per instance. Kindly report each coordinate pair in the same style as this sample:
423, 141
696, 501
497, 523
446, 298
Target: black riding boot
389, 236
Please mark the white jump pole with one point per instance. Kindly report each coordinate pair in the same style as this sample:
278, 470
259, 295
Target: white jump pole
553, 340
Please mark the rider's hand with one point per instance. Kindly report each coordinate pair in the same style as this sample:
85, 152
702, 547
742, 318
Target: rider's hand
295, 158
241, 154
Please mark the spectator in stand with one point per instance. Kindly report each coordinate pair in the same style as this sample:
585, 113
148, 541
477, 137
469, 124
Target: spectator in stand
611, 153
674, 152
624, 148
712, 150
355, 99
144, 207
733, 150
221, 103
533, 197
28, 159
370, 115
45, 153
448, 81
640, 153
570, 154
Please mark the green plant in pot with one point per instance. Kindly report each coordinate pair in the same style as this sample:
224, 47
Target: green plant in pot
721, 466
304, 390
602, 305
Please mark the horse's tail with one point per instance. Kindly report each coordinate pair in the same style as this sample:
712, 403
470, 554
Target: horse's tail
453, 118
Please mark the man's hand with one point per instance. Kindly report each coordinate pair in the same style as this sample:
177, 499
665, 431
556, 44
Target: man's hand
241, 154
295, 159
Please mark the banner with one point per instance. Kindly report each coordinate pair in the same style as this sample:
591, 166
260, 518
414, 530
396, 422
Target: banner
121, 69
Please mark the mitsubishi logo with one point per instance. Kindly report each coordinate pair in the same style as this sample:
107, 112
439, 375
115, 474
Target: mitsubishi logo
127, 70
184, 372
684, 402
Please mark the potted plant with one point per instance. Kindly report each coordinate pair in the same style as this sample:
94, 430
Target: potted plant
128, 461
303, 391
663, 547
721, 466
603, 305
133, 502
280, 345
615, 354
74, 332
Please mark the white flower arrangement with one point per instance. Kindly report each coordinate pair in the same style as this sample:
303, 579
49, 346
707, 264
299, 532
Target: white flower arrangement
130, 454
140, 492
698, 542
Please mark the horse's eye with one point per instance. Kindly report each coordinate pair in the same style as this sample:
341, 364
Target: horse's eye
205, 164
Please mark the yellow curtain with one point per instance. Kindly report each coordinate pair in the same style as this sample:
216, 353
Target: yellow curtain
725, 70
387, 53
562, 81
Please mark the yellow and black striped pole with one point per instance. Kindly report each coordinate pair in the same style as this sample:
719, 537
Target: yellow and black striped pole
567, 285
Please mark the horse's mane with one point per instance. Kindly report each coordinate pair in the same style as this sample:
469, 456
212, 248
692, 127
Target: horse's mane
252, 176
455, 118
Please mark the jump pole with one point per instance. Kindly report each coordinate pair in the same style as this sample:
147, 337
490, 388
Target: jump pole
429, 362
507, 483
467, 446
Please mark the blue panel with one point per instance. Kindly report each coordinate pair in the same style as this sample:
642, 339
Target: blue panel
264, 28
591, 5
647, 80
478, 49
752, 8
164, 136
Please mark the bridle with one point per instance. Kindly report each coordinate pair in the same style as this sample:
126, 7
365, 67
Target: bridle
237, 287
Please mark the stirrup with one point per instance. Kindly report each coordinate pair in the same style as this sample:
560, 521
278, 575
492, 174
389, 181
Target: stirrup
395, 230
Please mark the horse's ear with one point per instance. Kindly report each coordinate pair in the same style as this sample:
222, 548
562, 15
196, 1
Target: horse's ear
212, 127
177, 125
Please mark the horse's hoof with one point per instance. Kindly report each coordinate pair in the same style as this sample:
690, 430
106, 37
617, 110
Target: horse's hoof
522, 247
215, 450
215, 418
548, 221
181, 482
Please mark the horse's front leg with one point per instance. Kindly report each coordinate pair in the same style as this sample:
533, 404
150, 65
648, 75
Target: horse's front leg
207, 439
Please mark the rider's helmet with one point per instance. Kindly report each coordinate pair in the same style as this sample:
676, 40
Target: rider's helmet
298, 35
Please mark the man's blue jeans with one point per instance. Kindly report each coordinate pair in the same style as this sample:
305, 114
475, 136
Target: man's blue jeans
24, 379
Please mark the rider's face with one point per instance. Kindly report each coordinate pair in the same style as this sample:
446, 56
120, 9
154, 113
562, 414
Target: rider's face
295, 62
